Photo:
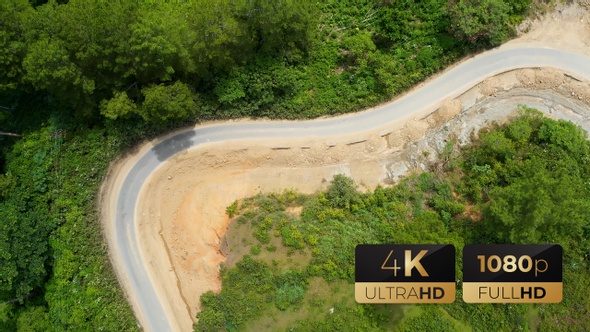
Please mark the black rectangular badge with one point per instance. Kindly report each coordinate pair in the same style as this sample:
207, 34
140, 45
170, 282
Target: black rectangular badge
388, 263
396, 273
508, 273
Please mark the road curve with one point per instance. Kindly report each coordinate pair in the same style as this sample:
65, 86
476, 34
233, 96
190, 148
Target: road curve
123, 243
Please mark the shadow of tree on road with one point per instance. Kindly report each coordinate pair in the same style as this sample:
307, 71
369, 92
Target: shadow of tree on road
173, 145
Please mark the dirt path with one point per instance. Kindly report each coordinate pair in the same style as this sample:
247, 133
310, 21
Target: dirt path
181, 213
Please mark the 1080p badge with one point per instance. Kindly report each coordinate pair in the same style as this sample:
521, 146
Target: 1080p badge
404, 273
512, 273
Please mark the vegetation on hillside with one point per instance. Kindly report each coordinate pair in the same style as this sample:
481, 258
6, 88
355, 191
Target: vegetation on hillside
84, 80
158, 60
527, 182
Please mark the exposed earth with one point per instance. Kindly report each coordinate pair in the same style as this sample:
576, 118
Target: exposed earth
181, 213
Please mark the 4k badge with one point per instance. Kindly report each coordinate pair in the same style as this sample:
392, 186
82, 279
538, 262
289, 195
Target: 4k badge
404, 273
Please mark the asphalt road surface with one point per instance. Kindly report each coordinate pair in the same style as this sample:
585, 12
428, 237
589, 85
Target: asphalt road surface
448, 85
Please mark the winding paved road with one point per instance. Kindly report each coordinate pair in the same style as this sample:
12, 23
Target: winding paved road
451, 84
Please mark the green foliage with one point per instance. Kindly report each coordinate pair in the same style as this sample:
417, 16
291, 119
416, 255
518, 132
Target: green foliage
82, 292
33, 319
481, 21
498, 145
12, 42
280, 59
357, 47
50, 232
255, 249
429, 319
48, 67
26, 218
268, 204
540, 207
280, 28
90, 54
342, 192
387, 73
566, 136
118, 106
232, 209
416, 43
343, 318
292, 237
166, 102
534, 176
158, 44
257, 286
493, 317
291, 287
7, 319
258, 88
427, 22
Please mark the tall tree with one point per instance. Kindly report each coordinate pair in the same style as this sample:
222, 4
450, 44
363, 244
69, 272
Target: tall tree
164, 102
283, 28
75, 51
13, 17
480, 21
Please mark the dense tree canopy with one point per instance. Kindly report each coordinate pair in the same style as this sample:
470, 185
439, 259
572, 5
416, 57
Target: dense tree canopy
487, 22
90, 54
534, 173
480, 20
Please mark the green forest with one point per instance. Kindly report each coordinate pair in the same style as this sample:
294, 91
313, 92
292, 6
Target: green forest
522, 183
83, 81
